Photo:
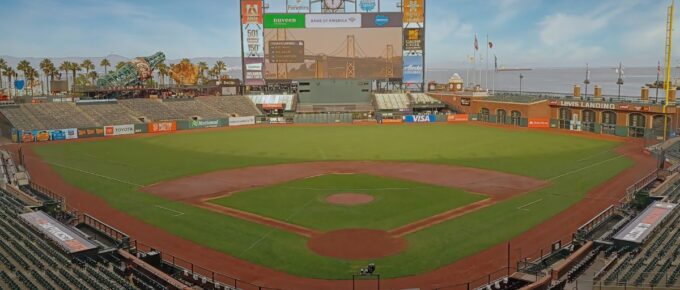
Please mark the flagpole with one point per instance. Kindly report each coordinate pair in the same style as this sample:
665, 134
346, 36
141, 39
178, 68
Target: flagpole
493, 80
486, 72
658, 71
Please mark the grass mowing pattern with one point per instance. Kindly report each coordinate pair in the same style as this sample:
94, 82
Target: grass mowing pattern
302, 202
148, 160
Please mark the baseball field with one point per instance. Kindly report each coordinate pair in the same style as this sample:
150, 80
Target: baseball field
322, 201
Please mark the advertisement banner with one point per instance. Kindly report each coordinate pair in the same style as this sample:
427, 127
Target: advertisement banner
421, 119
253, 44
254, 71
26, 136
413, 39
413, 69
368, 5
279, 20
391, 121
91, 132
119, 130
455, 118
465, 102
414, 12
297, 6
159, 127
378, 20
195, 124
251, 11
63, 134
333, 21
539, 123
241, 121
42, 135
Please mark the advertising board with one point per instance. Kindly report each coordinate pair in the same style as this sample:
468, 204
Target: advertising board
254, 71
284, 21
242, 121
539, 123
63, 134
420, 119
391, 121
57, 232
253, 44
465, 102
119, 130
413, 39
368, 5
287, 51
413, 69
414, 12
333, 20
379, 20
195, 124
455, 118
251, 11
91, 132
159, 127
297, 6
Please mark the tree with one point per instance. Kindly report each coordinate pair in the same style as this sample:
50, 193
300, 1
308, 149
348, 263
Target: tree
221, 66
31, 75
47, 67
3, 66
9, 73
87, 65
93, 76
120, 65
162, 72
202, 68
105, 64
81, 81
24, 66
74, 67
65, 67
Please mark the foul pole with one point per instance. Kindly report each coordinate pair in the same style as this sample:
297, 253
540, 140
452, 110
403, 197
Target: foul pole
667, 79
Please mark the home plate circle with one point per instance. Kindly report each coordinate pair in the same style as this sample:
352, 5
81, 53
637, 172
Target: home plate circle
348, 198
356, 244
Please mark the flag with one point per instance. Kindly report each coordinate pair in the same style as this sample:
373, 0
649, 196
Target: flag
658, 68
490, 45
476, 43
495, 62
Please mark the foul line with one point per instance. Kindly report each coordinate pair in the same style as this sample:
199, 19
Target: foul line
584, 168
177, 213
529, 204
95, 174
349, 189
273, 229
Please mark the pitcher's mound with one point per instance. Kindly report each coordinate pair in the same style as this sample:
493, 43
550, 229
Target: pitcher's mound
356, 244
349, 198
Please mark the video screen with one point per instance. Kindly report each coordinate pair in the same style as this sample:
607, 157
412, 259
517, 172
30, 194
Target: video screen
338, 53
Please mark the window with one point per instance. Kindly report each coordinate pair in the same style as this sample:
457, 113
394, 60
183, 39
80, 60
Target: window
516, 118
564, 118
609, 122
501, 116
484, 115
636, 125
588, 120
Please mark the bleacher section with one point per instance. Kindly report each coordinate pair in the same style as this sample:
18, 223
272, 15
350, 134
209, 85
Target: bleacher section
424, 100
28, 261
151, 108
87, 114
392, 101
109, 113
656, 263
232, 105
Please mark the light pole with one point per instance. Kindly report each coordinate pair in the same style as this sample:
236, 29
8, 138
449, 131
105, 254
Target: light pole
587, 81
620, 80
521, 77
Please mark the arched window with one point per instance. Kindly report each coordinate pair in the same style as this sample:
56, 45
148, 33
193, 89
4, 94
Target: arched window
516, 118
564, 119
485, 115
501, 116
658, 125
636, 125
588, 120
609, 122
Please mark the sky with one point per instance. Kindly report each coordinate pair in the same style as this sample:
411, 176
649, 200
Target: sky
526, 33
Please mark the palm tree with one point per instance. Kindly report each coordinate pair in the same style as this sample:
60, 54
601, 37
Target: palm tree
65, 67
47, 66
162, 72
202, 67
74, 67
3, 66
120, 65
221, 66
87, 65
93, 75
24, 66
31, 75
9, 73
105, 63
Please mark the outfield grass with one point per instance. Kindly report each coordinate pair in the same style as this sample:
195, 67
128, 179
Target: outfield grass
302, 202
147, 160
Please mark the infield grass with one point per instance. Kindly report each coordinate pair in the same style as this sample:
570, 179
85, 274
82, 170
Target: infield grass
573, 165
303, 202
